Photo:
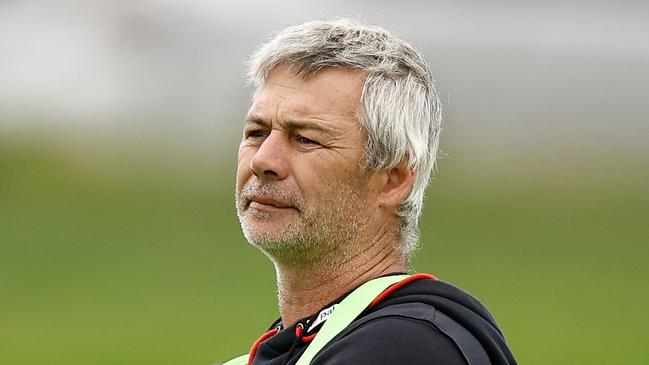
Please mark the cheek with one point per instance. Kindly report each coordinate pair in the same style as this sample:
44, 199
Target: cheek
322, 182
340, 182
334, 170
243, 168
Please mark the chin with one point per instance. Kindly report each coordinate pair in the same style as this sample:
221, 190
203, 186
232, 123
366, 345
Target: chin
269, 242
267, 232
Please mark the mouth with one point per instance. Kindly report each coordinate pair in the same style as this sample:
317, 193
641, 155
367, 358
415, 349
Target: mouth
259, 202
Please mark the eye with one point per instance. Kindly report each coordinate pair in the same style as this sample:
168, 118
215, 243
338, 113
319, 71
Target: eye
307, 141
255, 134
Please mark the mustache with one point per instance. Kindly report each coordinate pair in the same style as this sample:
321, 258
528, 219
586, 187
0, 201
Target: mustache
274, 191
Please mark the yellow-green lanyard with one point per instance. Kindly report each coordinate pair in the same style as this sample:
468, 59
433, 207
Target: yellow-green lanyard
345, 313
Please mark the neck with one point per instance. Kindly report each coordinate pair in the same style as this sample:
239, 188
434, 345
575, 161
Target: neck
304, 289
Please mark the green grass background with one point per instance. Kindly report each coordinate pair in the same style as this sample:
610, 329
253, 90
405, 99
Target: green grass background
130, 263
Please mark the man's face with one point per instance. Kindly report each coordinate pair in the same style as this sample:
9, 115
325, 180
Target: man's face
299, 181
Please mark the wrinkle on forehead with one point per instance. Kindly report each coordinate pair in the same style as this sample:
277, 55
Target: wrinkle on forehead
330, 95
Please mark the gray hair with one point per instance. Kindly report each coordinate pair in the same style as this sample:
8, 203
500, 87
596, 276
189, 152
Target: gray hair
400, 107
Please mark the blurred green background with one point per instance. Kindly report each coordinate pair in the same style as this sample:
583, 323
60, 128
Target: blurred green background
119, 125
129, 264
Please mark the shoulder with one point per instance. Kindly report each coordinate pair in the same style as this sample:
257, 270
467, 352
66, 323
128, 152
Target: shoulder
412, 333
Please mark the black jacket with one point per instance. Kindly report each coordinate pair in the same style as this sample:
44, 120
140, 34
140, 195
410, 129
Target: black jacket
423, 322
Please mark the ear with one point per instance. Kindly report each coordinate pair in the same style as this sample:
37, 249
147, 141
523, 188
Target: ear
397, 183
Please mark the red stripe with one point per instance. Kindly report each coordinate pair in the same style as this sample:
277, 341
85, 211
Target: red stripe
309, 338
261, 339
398, 285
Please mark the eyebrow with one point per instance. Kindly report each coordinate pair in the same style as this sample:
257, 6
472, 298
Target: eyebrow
289, 123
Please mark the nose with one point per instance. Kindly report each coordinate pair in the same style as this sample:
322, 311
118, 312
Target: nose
270, 160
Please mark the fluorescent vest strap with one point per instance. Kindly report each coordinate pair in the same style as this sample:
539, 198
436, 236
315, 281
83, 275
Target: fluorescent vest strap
345, 313
241, 360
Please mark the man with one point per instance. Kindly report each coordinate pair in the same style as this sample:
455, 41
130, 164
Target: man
338, 147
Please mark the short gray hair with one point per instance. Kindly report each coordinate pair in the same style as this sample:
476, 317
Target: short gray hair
400, 106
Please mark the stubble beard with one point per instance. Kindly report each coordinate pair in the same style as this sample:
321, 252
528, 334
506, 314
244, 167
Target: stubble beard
323, 233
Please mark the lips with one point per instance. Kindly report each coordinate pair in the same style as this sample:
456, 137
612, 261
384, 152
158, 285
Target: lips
262, 201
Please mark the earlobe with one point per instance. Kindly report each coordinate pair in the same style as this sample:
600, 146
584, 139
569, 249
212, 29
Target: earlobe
398, 183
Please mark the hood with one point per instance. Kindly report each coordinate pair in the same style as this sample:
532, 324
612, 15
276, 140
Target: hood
462, 308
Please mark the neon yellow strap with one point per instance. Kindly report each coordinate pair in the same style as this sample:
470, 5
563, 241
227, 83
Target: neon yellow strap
241, 360
345, 313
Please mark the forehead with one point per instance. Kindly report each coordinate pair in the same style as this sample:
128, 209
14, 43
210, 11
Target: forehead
329, 93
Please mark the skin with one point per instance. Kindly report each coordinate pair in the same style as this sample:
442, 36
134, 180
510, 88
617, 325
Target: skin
303, 198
